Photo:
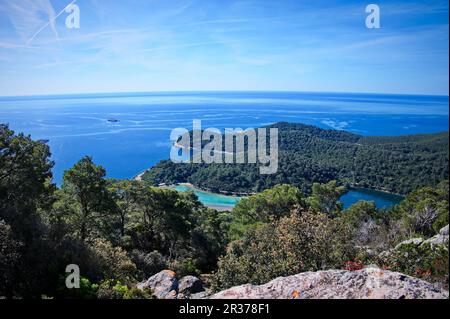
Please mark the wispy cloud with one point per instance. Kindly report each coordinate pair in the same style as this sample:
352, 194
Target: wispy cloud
196, 44
30, 17
51, 20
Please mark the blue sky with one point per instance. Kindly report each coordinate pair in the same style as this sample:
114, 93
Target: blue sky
174, 45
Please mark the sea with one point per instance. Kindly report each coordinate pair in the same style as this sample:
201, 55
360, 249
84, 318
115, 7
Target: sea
129, 132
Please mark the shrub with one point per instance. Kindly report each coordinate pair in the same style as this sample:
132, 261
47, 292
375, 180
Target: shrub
111, 289
425, 211
185, 267
114, 289
424, 261
271, 204
87, 289
304, 241
113, 260
149, 264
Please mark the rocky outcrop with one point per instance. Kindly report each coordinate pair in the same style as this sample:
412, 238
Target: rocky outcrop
190, 285
368, 283
412, 241
440, 239
165, 285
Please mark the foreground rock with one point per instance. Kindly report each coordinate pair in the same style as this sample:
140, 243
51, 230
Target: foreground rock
368, 283
165, 285
190, 285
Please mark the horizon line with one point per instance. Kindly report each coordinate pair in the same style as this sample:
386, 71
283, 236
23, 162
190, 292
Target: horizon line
61, 95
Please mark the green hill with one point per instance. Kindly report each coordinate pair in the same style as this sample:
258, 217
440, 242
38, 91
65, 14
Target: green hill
308, 154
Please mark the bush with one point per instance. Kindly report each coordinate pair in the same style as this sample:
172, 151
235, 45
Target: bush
424, 261
114, 289
113, 260
87, 290
272, 204
304, 241
185, 267
149, 264
9, 256
134, 293
425, 211
111, 289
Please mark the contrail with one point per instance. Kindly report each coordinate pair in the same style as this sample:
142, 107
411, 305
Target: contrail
51, 20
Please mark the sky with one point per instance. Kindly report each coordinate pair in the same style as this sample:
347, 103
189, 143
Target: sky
199, 45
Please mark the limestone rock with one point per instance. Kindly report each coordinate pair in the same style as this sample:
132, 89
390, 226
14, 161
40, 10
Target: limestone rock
368, 283
164, 285
200, 295
190, 285
440, 239
444, 231
414, 241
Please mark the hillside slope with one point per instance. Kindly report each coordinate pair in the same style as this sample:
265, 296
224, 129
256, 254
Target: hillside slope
310, 154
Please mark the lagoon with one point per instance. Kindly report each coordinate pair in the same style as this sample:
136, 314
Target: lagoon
382, 200
219, 201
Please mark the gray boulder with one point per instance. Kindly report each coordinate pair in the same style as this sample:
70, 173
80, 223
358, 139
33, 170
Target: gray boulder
368, 283
440, 239
444, 231
200, 295
190, 285
414, 241
164, 285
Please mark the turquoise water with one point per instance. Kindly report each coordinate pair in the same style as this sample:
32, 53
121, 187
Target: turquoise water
381, 199
210, 199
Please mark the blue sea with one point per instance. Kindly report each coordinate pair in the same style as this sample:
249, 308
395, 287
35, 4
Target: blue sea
78, 125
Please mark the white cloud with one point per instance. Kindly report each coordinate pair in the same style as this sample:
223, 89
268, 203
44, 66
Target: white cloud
30, 17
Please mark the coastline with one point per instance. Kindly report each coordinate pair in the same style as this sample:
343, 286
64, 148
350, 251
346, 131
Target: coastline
380, 189
223, 193
225, 205
243, 194
220, 208
138, 177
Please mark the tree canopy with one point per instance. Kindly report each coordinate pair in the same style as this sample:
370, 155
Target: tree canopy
308, 154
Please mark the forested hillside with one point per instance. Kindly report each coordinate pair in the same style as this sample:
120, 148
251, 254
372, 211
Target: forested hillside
121, 232
310, 154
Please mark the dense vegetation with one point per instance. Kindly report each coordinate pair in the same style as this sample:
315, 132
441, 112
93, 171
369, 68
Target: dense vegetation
120, 232
290, 236
117, 232
309, 154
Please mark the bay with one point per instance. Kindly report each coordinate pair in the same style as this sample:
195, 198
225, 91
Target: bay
129, 132
382, 200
